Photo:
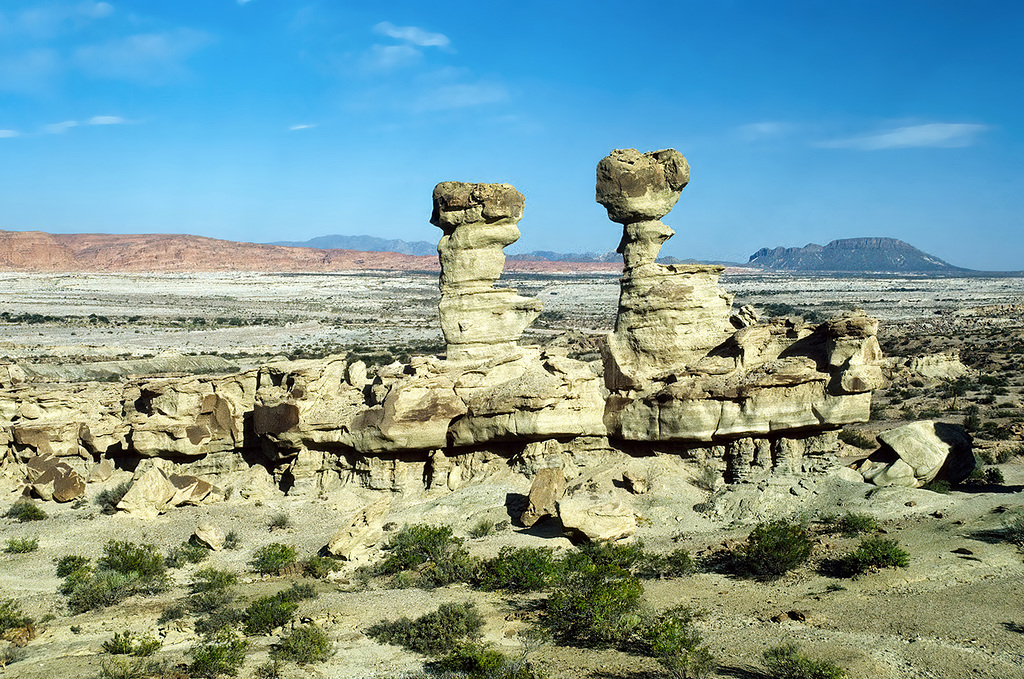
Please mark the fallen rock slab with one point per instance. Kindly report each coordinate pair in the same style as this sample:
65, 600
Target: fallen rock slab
919, 453
597, 522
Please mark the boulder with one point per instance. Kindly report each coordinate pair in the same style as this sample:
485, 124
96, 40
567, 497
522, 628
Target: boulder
606, 521
547, 489
53, 479
919, 453
359, 532
210, 535
155, 491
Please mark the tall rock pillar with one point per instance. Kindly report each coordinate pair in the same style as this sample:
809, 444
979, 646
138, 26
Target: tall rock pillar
669, 316
479, 220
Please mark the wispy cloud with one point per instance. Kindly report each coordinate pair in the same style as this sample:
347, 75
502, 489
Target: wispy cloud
150, 58
461, 95
60, 128
305, 126
385, 57
769, 129
9, 134
244, 2
46, 21
412, 34
107, 120
928, 135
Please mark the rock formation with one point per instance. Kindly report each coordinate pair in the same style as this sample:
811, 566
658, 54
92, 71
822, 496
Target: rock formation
682, 374
682, 367
478, 221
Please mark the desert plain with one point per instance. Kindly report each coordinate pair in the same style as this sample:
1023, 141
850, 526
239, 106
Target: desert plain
956, 611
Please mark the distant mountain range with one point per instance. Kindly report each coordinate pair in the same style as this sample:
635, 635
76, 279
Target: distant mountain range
860, 255
418, 248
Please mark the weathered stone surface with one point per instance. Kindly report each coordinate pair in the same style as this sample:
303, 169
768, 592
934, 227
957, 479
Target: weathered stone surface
478, 221
155, 491
101, 471
359, 532
637, 187
210, 535
597, 522
918, 453
53, 479
547, 489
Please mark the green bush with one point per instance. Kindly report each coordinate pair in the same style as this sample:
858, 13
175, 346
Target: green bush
21, 545
1013, 529
672, 638
272, 558
220, 654
218, 618
523, 569
874, 553
270, 612
320, 567
787, 662
306, 644
11, 616
481, 661
232, 540
434, 633
24, 510
185, 553
851, 524
941, 486
858, 439
595, 605
124, 569
71, 563
437, 557
675, 564
108, 498
773, 549
123, 644
211, 579
279, 521
482, 529
628, 557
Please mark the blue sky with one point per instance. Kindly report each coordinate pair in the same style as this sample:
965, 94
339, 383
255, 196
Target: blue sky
265, 120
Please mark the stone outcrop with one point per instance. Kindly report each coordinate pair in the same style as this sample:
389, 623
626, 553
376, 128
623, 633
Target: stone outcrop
597, 522
919, 453
547, 489
156, 491
682, 367
52, 479
478, 221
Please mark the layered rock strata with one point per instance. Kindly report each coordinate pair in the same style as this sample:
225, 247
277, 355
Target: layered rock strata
479, 221
682, 367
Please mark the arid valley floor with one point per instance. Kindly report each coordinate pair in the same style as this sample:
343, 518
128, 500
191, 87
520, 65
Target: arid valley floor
957, 611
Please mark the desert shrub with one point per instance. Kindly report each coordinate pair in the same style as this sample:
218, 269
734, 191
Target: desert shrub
119, 668
211, 579
672, 638
11, 616
972, 418
70, 563
172, 612
437, 557
993, 476
481, 661
270, 559
108, 498
939, 486
11, 655
128, 557
270, 612
218, 618
320, 567
594, 605
851, 524
433, 633
775, 548
123, 643
304, 645
524, 569
858, 439
124, 569
21, 545
482, 529
185, 553
787, 662
219, 654
675, 564
873, 553
279, 521
232, 540
24, 511
628, 557
269, 670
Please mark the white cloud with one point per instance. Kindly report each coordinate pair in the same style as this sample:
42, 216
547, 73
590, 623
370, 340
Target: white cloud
8, 134
929, 135
106, 120
47, 21
146, 57
764, 130
30, 71
383, 57
412, 34
301, 127
60, 128
461, 96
